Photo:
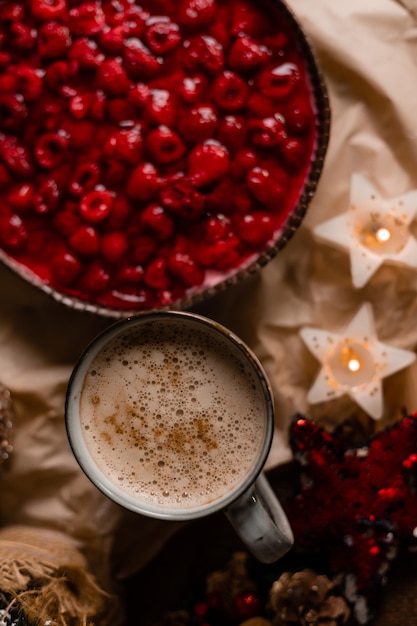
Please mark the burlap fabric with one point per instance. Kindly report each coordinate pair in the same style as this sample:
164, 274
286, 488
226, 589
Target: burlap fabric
46, 576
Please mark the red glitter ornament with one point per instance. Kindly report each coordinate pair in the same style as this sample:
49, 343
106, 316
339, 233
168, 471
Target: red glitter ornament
355, 506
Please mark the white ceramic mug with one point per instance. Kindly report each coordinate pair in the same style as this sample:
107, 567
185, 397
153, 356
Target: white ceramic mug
171, 416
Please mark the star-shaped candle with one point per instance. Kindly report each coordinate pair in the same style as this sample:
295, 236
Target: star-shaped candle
354, 362
373, 229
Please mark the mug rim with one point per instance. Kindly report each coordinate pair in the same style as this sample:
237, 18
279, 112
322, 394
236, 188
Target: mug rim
98, 478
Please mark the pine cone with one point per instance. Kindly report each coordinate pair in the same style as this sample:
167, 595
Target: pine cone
6, 422
306, 598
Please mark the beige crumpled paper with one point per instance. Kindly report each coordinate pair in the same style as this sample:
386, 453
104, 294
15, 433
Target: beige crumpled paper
368, 54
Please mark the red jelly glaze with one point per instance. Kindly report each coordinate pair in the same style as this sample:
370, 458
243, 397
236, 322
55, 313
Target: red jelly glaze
130, 134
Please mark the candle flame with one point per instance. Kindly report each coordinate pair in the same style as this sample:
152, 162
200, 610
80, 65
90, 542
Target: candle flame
383, 234
349, 359
354, 365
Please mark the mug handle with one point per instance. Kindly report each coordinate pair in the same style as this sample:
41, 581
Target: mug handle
261, 523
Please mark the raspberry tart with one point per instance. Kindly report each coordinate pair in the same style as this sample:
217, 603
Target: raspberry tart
153, 153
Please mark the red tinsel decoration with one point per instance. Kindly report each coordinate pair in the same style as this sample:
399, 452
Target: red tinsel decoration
355, 506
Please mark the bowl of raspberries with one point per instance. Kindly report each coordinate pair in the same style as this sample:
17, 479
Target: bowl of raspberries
153, 153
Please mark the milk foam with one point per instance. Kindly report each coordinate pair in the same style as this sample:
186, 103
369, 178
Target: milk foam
171, 416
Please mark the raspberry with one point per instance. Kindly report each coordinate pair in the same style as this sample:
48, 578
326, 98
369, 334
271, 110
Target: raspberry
232, 132
96, 205
280, 82
11, 12
130, 275
248, 18
160, 110
112, 39
14, 156
196, 13
113, 246
254, 228
48, 9
86, 19
265, 187
79, 106
278, 42
13, 234
192, 88
156, 274
142, 249
219, 200
202, 53
125, 145
162, 37
22, 36
199, 124
8, 83
119, 216
21, 197
222, 254
112, 78
96, 279
164, 145
50, 149
268, 132
229, 92
186, 269
246, 55
242, 201
293, 152
85, 53
65, 268
98, 106
217, 227
180, 196
298, 118
41, 245
260, 106
85, 241
156, 219
136, 19
139, 61
30, 82
208, 163
143, 183
85, 177
47, 197
139, 95
66, 222
13, 112
115, 12
60, 76
54, 39
120, 111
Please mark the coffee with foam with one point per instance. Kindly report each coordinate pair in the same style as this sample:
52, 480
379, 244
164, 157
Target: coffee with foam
173, 414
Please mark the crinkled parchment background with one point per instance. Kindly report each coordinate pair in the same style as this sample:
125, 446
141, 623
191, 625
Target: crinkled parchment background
368, 55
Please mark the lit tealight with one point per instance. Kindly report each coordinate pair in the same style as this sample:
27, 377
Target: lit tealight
373, 229
354, 363
383, 235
